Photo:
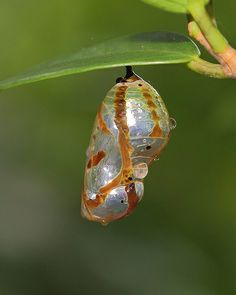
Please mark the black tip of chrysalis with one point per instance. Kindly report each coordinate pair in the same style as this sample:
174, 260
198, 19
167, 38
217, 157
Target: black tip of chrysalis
129, 72
120, 79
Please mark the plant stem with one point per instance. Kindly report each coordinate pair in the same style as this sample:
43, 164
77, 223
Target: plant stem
195, 32
206, 68
218, 42
204, 30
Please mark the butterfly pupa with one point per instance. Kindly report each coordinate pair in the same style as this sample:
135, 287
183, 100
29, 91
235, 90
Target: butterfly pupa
131, 129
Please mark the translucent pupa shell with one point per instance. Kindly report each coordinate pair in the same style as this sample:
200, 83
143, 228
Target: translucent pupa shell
131, 129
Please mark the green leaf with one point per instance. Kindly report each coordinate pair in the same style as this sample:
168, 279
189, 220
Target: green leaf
177, 6
140, 49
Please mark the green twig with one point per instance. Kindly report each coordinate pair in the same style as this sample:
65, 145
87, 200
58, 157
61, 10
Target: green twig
217, 41
206, 68
203, 28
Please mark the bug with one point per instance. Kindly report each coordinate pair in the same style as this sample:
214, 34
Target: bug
131, 129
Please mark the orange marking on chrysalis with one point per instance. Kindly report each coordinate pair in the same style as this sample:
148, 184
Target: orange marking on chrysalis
123, 138
96, 202
156, 132
101, 122
121, 123
115, 182
133, 78
96, 159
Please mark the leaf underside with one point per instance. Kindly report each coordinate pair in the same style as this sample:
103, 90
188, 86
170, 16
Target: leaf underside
177, 6
139, 49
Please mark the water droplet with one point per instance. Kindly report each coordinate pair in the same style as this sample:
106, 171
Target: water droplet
172, 123
144, 141
104, 222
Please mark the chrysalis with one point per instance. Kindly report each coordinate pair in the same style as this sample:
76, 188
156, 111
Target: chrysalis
131, 129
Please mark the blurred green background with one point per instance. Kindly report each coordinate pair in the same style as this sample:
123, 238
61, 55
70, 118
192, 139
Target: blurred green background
181, 240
